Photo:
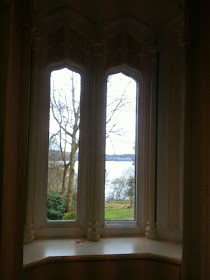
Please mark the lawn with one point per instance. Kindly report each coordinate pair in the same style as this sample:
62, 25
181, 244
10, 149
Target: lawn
118, 210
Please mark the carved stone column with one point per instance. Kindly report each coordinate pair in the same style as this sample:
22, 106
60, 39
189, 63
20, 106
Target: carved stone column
29, 223
151, 231
98, 144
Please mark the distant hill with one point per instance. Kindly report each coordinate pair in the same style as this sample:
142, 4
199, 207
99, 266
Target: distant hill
124, 157
56, 156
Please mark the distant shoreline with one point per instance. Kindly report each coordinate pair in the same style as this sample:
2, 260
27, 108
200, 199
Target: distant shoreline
124, 157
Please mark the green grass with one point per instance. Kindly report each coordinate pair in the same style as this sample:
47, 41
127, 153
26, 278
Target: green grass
118, 210
119, 214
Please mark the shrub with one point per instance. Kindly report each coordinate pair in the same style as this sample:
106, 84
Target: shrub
69, 216
56, 206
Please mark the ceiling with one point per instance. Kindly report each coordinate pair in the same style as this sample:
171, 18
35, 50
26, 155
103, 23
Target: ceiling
155, 13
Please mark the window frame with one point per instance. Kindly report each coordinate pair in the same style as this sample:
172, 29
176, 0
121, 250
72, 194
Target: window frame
136, 226
37, 175
44, 228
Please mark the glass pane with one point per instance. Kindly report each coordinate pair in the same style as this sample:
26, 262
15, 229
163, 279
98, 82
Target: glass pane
65, 88
120, 148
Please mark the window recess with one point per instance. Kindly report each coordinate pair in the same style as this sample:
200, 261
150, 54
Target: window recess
50, 145
123, 157
58, 145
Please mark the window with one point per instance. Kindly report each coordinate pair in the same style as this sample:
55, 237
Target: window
123, 153
84, 132
61, 183
63, 164
80, 119
69, 110
120, 175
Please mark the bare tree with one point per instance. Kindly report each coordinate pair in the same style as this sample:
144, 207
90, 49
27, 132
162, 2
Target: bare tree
118, 186
130, 185
72, 133
124, 186
65, 111
113, 107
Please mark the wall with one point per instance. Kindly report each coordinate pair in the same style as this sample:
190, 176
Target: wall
170, 137
109, 269
196, 233
14, 144
4, 46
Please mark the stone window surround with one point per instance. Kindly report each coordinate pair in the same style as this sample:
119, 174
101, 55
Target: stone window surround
94, 73
45, 228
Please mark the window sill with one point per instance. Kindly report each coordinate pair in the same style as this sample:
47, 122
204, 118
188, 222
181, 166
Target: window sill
44, 251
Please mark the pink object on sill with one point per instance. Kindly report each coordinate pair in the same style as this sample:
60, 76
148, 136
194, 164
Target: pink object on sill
79, 241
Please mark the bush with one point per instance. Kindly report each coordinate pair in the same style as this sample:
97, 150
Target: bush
69, 216
56, 206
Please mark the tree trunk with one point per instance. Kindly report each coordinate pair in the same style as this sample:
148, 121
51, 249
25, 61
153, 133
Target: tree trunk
70, 191
64, 178
131, 201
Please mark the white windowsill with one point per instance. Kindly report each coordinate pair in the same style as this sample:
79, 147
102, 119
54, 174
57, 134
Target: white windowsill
44, 251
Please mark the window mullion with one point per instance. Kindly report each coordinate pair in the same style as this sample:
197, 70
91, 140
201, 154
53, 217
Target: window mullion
96, 200
151, 230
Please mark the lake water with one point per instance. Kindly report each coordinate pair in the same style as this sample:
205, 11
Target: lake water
114, 169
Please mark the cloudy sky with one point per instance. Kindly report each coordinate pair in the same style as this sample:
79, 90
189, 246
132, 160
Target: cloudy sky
121, 99
121, 108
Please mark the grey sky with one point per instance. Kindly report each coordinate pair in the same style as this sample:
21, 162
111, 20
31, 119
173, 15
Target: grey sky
123, 120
